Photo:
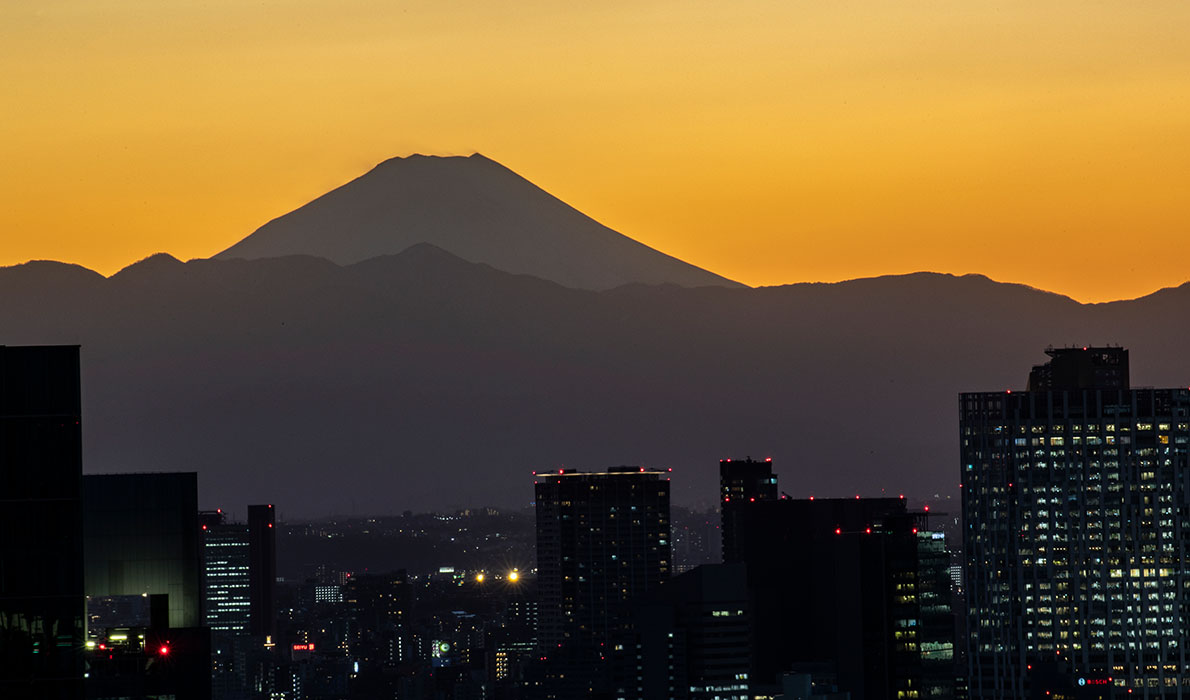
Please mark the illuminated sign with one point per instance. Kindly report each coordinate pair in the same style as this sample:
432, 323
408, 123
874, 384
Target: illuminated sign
303, 647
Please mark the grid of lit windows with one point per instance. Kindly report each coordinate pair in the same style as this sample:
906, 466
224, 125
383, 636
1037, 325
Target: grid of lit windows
226, 577
1076, 503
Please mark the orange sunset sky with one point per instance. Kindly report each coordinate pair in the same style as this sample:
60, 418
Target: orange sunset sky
772, 142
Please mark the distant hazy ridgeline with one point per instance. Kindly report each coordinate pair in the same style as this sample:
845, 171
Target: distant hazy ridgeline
376, 371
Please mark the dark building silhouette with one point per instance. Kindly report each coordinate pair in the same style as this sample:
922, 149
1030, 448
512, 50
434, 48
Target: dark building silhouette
688, 639
1081, 368
602, 540
262, 569
1077, 507
853, 591
149, 661
742, 481
141, 537
379, 605
41, 543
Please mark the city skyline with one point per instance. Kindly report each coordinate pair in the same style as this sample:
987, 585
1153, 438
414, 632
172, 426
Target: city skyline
768, 144
1070, 583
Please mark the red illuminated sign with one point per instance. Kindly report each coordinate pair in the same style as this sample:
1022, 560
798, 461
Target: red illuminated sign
303, 647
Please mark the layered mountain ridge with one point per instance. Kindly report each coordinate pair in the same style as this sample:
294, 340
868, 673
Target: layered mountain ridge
419, 380
474, 208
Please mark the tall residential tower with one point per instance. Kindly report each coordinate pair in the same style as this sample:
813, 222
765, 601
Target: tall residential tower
602, 540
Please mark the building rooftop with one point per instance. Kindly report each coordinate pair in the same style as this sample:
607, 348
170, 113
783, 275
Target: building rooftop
1081, 367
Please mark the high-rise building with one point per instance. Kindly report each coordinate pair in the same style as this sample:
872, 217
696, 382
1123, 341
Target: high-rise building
239, 563
1076, 501
602, 539
262, 569
41, 540
225, 578
742, 481
141, 538
238, 581
853, 591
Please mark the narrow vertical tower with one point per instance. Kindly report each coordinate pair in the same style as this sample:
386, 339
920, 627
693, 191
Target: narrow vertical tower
262, 570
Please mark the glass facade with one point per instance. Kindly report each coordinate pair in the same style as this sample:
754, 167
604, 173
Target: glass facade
41, 546
142, 538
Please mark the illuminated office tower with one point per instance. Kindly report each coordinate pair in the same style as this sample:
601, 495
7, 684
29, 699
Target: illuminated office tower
225, 564
41, 536
239, 571
1076, 500
238, 560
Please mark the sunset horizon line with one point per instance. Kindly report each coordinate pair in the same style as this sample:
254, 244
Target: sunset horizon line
745, 285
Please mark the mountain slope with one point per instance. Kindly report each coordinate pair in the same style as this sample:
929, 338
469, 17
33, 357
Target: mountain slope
419, 380
476, 209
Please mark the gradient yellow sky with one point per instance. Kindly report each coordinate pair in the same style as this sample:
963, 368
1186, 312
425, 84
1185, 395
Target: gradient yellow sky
772, 142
